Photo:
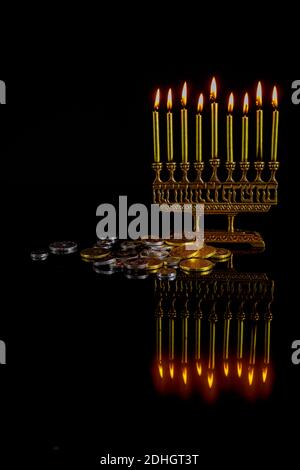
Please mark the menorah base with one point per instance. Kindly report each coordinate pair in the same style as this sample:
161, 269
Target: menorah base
237, 237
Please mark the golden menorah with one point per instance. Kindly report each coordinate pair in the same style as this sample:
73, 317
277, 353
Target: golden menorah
249, 187
188, 315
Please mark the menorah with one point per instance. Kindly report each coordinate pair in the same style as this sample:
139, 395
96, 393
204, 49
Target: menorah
239, 301
249, 187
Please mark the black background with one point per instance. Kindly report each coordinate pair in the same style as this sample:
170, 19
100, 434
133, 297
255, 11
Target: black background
77, 132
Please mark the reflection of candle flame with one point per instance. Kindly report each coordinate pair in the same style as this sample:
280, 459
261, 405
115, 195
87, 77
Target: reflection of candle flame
160, 369
230, 103
184, 374
246, 104
200, 103
199, 368
264, 373
259, 95
210, 378
274, 98
213, 89
157, 99
226, 368
239, 368
171, 370
184, 95
169, 102
250, 375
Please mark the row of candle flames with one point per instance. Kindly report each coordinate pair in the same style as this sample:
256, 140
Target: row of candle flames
214, 126
212, 340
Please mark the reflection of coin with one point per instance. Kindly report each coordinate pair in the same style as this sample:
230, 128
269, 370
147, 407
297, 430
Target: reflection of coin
91, 254
135, 264
108, 270
153, 263
221, 254
39, 255
166, 274
136, 275
182, 252
206, 252
171, 262
63, 247
196, 264
109, 260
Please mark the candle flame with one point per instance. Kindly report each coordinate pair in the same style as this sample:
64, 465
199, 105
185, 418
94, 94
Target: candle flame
274, 98
213, 89
264, 373
230, 103
226, 368
246, 104
169, 102
250, 375
184, 95
160, 370
200, 103
171, 370
199, 368
239, 368
259, 95
210, 378
157, 99
184, 374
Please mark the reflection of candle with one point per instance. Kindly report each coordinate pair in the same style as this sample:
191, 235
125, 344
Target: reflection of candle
198, 346
226, 345
267, 342
155, 114
184, 126
245, 127
199, 129
171, 346
184, 348
214, 119
170, 127
240, 338
230, 130
275, 122
252, 352
211, 356
212, 338
159, 345
259, 123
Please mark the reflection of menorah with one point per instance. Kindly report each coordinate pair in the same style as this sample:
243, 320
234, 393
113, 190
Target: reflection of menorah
235, 193
193, 307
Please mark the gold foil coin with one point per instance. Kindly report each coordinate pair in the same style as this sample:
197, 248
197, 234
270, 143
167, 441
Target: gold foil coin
179, 241
196, 264
206, 252
94, 253
222, 254
153, 263
183, 252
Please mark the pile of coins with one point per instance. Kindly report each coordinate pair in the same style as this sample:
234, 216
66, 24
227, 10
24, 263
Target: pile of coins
137, 259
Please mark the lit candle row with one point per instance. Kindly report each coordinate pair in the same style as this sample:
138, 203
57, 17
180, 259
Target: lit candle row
214, 126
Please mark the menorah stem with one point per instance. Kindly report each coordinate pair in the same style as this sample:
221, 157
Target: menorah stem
273, 168
214, 163
171, 166
184, 168
231, 228
157, 167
